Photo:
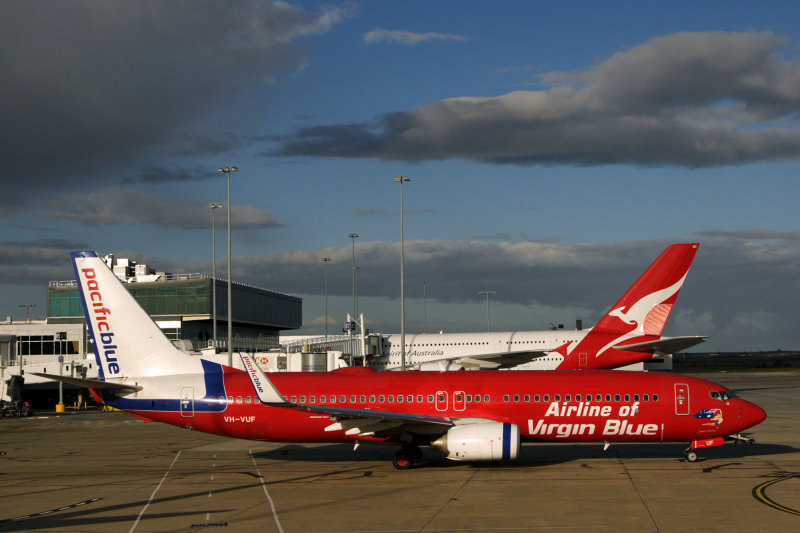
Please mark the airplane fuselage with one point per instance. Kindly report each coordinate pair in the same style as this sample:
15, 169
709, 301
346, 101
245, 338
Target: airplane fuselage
559, 406
567, 349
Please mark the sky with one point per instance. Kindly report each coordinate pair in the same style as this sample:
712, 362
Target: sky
553, 150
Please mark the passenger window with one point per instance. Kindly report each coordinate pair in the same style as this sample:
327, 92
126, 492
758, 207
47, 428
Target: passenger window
486, 398
459, 398
302, 399
312, 399
477, 398
598, 398
372, 398
430, 398
558, 398
469, 398
505, 397
527, 398
616, 397
238, 399
635, 397
333, 398
322, 399
577, 397
536, 397
516, 398
411, 398
399, 398
230, 399
547, 397
627, 397
352, 398
655, 397
363, 398
567, 398
391, 398
608, 397
247, 399
646, 397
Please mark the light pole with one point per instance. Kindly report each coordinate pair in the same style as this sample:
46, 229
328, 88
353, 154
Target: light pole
327, 260
487, 293
27, 310
353, 236
400, 180
214, 206
228, 170
425, 305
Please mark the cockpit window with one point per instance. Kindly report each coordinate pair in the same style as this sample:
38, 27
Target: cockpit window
722, 395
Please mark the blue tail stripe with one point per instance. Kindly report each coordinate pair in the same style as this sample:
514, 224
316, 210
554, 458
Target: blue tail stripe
214, 377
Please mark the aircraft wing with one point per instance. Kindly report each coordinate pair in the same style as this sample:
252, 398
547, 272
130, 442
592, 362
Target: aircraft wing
90, 383
489, 361
367, 423
355, 422
664, 345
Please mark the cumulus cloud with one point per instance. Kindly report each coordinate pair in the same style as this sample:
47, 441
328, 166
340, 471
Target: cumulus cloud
409, 38
117, 206
93, 85
688, 99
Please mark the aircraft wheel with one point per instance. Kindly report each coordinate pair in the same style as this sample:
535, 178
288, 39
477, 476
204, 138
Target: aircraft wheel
403, 459
691, 456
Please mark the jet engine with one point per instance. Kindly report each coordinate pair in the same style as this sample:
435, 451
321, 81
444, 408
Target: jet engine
480, 441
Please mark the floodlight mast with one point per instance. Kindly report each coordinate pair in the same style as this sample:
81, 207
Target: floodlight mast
228, 170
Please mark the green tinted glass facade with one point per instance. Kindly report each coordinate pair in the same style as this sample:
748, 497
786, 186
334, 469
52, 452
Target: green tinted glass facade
64, 304
194, 299
253, 307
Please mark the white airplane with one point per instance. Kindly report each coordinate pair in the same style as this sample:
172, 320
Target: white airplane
630, 332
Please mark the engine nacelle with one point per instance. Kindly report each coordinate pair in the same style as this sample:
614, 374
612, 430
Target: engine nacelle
480, 441
439, 366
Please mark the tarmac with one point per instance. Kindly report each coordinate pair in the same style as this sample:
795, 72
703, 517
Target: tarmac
93, 471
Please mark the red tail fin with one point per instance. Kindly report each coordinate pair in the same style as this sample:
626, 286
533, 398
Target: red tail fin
645, 307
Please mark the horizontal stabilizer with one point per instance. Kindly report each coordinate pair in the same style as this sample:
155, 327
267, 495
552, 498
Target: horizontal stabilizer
664, 345
90, 383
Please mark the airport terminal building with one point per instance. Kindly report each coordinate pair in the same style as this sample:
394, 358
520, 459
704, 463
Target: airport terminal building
183, 305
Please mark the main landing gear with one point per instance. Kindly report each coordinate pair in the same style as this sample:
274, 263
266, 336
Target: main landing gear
406, 456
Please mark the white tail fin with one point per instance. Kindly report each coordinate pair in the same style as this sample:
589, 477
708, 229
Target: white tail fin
127, 343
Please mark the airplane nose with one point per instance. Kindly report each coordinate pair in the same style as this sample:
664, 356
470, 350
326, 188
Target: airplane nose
751, 414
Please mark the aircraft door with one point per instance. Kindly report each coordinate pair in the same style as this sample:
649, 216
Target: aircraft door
441, 400
187, 402
681, 399
459, 400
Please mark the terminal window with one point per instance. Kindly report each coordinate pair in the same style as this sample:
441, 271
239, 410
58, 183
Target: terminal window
45, 345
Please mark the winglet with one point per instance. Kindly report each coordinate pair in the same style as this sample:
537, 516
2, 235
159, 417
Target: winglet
266, 391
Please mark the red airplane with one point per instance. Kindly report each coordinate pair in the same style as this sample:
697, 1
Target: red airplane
470, 416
